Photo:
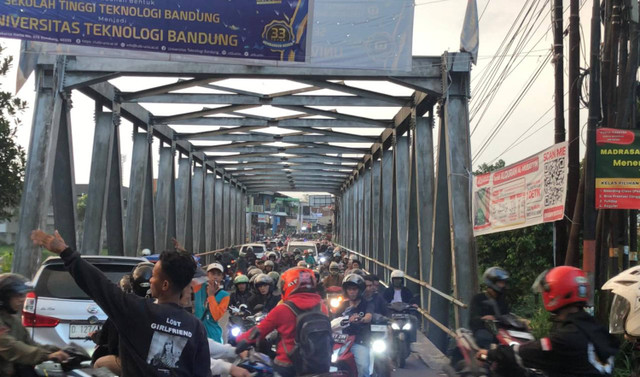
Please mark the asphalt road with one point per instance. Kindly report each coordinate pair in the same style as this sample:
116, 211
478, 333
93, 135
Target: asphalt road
415, 368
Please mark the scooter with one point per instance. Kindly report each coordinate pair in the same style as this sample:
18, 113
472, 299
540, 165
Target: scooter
342, 359
403, 328
508, 330
240, 321
78, 364
380, 335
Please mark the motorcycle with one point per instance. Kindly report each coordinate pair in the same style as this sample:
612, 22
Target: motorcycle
240, 321
507, 329
78, 364
379, 329
403, 326
342, 359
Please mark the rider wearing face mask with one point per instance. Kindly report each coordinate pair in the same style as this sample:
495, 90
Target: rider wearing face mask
488, 305
334, 279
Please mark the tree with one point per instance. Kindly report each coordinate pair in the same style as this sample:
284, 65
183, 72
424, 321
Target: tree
12, 155
524, 252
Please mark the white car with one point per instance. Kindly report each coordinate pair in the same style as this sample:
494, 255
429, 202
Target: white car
310, 246
259, 249
58, 312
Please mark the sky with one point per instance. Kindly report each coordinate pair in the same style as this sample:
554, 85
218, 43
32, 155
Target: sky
437, 27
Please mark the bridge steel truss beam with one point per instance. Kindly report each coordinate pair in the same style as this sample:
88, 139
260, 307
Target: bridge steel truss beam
415, 220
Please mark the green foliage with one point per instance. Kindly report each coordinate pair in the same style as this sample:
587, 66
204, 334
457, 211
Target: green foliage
626, 360
12, 155
540, 323
6, 257
81, 207
524, 252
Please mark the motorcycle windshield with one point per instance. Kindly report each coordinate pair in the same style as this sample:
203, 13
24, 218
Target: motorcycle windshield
620, 308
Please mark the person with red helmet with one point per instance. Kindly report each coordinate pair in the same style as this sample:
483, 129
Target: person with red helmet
298, 286
576, 346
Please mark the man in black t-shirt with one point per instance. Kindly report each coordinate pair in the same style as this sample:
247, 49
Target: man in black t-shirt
488, 305
360, 313
156, 339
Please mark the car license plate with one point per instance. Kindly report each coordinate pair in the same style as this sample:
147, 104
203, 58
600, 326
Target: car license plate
378, 328
81, 331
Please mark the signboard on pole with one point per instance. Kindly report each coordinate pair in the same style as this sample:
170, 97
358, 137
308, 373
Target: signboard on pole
529, 192
255, 29
617, 169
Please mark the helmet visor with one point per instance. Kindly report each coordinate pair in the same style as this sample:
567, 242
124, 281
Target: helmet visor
620, 308
541, 285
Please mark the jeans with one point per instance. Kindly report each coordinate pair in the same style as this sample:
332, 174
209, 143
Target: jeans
361, 354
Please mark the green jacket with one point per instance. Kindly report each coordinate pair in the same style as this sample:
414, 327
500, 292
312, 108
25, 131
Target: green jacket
17, 347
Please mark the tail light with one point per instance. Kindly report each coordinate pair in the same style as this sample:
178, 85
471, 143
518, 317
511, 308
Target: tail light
31, 319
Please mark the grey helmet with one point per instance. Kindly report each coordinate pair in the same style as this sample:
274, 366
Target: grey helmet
493, 275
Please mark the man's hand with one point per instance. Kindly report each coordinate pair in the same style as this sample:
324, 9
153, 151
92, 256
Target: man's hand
212, 287
236, 371
60, 356
355, 318
488, 318
177, 245
482, 354
53, 243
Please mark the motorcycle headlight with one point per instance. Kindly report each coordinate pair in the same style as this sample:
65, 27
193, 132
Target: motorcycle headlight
322, 260
334, 303
395, 326
334, 356
407, 326
379, 346
235, 331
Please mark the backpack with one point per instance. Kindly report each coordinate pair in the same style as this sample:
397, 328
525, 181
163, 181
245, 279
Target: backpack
313, 342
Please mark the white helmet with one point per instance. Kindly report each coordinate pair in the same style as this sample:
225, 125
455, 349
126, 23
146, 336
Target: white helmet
215, 266
146, 252
625, 315
397, 274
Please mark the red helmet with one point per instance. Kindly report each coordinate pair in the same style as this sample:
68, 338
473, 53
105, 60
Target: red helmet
296, 280
562, 286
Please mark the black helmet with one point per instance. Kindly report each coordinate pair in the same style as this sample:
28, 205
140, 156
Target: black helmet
493, 275
140, 277
354, 280
12, 285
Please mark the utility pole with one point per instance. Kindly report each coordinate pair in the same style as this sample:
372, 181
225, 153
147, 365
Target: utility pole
560, 227
590, 213
574, 107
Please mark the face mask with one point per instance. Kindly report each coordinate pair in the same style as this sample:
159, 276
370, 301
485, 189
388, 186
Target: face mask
333, 272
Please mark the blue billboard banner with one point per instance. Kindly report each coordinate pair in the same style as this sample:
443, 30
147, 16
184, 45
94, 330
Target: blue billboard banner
247, 29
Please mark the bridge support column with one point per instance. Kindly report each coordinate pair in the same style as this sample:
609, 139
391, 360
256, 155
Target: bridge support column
98, 182
210, 218
183, 202
36, 193
402, 181
115, 205
147, 236
366, 184
64, 203
441, 246
198, 208
136, 202
456, 121
233, 212
376, 211
227, 211
388, 208
219, 212
164, 194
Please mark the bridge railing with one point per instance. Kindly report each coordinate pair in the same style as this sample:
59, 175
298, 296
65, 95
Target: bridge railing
421, 283
207, 256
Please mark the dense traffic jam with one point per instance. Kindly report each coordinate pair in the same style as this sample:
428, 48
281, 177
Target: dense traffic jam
286, 307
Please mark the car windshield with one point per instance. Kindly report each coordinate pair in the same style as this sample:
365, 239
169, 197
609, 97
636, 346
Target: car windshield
310, 249
55, 281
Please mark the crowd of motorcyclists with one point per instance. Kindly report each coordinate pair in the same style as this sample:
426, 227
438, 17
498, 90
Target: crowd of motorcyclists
165, 318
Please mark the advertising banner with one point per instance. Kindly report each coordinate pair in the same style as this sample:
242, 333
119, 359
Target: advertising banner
253, 29
374, 35
529, 192
617, 169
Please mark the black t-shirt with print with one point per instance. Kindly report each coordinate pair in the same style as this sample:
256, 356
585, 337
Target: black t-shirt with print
360, 330
155, 339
